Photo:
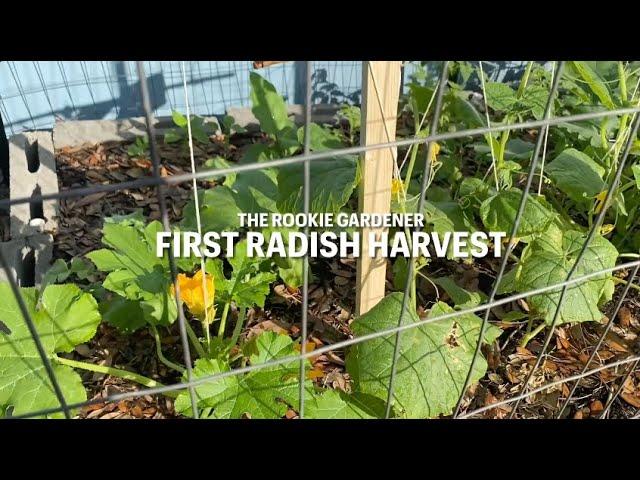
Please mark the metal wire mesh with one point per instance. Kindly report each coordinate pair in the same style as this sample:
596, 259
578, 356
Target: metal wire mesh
631, 363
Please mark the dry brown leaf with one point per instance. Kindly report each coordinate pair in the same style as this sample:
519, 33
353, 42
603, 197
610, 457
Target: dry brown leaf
630, 399
625, 317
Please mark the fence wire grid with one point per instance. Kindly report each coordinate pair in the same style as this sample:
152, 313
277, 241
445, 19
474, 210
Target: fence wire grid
629, 365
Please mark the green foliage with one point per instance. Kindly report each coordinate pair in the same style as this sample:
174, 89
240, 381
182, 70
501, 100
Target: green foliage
548, 260
433, 361
218, 211
332, 183
140, 148
248, 285
200, 130
64, 317
577, 175
135, 274
498, 214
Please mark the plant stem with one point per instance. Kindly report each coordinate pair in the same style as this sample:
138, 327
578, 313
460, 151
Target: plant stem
161, 356
412, 161
237, 330
223, 319
624, 282
195, 341
529, 336
115, 372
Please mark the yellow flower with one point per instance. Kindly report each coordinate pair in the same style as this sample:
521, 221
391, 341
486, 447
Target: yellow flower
607, 229
193, 295
434, 152
396, 186
600, 200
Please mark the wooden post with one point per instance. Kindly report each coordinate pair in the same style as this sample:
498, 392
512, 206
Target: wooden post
380, 92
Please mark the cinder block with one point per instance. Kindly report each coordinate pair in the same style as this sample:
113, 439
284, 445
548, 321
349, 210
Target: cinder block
81, 132
29, 258
32, 172
320, 114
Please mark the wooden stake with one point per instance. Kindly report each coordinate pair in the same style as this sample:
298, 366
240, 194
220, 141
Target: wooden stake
380, 92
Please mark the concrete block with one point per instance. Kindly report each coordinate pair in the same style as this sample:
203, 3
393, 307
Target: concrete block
32, 172
29, 257
320, 114
80, 132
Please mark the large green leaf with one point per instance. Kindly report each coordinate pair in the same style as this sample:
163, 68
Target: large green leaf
433, 361
577, 175
263, 393
256, 191
268, 106
136, 273
535, 98
64, 318
332, 182
247, 286
218, 210
498, 213
336, 405
595, 82
322, 138
548, 260
500, 96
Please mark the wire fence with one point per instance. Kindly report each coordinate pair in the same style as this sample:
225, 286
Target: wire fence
629, 365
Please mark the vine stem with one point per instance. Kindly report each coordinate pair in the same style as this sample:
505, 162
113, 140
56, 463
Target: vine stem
115, 372
161, 356
195, 340
624, 282
529, 336
223, 319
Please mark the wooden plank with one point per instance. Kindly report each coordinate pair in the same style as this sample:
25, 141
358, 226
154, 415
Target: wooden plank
266, 63
380, 92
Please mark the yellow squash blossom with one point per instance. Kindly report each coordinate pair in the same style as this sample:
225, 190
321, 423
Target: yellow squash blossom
193, 295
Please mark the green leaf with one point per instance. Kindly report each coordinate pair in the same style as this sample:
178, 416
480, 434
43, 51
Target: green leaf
535, 98
464, 111
268, 106
58, 272
263, 393
498, 213
179, 119
64, 318
595, 82
256, 191
247, 286
136, 273
218, 211
577, 175
126, 315
332, 182
500, 96
220, 163
461, 298
321, 138
352, 115
449, 217
517, 149
433, 361
636, 175
422, 96
547, 261
336, 405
